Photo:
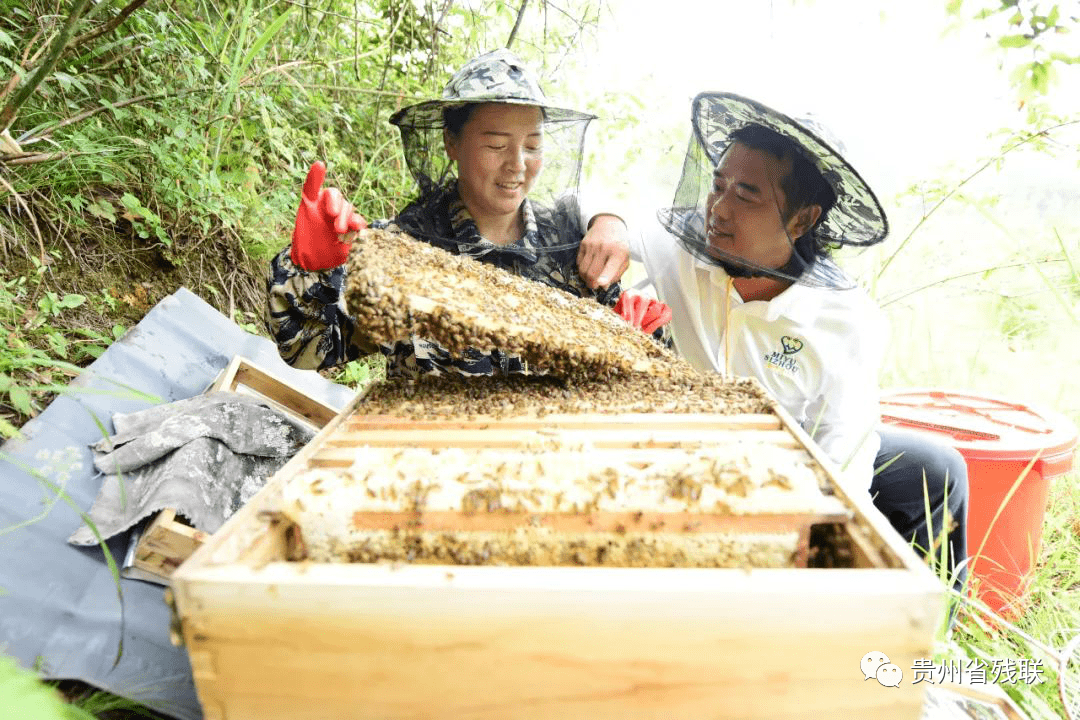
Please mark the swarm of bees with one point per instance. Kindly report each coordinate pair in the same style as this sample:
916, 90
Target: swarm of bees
398, 286
444, 396
583, 357
545, 547
737, 503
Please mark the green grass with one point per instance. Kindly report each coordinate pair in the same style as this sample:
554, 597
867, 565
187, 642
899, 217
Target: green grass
101, 705
1052, 615
1012, 332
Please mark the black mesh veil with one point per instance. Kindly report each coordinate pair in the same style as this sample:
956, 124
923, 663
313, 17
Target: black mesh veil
856, 218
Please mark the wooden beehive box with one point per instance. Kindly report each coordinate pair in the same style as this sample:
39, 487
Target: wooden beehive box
272, 638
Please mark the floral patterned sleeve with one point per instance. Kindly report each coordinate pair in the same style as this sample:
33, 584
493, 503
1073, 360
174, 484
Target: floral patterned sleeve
307, 318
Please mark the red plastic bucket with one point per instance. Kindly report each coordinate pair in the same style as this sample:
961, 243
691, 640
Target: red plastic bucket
999, 440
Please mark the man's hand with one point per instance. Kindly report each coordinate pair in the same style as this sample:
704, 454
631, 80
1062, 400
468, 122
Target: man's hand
604, 254
643, 312
324, 216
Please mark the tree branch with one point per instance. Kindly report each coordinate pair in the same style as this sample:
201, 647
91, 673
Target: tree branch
89, 113
12, 83
434, 43
17, 74
941, 281
109, 26
29, 215
517, 23
7, 115
31, 158
1041, 133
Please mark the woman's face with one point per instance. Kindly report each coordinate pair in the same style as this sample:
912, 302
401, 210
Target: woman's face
499, 154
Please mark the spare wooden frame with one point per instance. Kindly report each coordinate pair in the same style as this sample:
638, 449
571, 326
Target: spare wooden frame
168, 540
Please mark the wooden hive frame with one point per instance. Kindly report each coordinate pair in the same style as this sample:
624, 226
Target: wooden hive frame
613, 435
243, 376
268, 638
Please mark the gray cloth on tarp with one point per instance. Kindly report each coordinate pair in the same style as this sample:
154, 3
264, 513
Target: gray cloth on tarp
204, 456
59, 612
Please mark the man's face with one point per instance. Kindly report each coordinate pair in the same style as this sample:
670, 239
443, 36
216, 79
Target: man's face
744, 210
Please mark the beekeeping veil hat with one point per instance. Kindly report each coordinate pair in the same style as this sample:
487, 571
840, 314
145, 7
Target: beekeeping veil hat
495, 77
856, 218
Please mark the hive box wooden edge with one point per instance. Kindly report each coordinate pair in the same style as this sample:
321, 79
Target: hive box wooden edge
274, 639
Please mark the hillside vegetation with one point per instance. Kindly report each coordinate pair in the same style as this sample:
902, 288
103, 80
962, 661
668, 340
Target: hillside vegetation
149, 146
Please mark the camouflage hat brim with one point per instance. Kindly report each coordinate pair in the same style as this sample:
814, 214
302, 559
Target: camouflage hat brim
857, 218
499, 76
429, 115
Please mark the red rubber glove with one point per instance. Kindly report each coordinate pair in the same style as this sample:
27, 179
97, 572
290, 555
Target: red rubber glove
642, 312
324, 216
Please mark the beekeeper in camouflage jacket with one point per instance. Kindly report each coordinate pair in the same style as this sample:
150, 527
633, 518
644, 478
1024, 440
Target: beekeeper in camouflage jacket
476, 154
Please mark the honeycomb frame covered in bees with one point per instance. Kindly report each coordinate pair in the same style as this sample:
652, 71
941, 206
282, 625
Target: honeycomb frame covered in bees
397, 287
566, 502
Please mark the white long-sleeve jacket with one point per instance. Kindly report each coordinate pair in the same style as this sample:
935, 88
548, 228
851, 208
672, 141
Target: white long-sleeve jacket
817, 351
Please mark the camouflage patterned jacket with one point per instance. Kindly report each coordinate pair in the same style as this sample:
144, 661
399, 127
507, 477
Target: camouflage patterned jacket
306, 310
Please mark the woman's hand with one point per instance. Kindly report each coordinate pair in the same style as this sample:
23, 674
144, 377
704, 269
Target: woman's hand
323, 218
643, 312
